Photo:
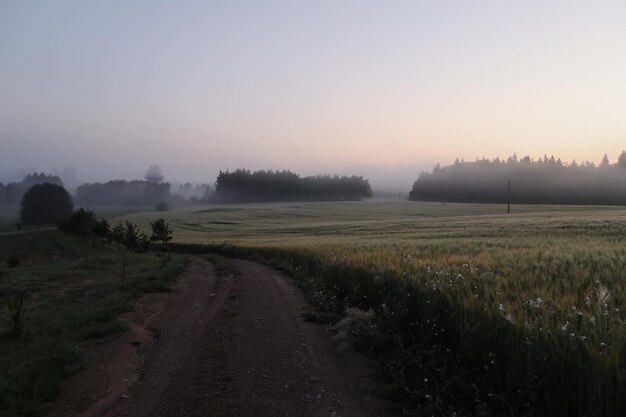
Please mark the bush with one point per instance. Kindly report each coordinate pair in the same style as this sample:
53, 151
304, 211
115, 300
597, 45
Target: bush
45, 203
80, 222
162, 206
102, 230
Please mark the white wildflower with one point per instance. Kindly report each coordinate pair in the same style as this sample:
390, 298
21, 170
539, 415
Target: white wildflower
603, 293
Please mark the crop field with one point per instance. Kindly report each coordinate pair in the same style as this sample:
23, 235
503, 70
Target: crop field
467, 310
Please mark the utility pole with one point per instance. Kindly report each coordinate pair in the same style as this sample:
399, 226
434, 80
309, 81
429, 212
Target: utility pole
508, 199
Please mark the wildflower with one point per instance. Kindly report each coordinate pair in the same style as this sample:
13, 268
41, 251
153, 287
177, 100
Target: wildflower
565, 326
603, 293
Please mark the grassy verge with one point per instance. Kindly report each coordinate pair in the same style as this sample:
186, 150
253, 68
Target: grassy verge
73, 294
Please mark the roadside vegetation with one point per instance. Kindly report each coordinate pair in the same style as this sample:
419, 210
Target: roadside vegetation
59, 292
484, 315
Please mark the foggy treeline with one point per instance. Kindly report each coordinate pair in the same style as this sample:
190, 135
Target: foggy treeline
11, 194
148, 192
243, 186
138, 193
543, 181
122, 193
239, 186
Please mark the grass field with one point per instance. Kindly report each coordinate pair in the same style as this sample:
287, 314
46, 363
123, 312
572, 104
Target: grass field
73, 294
9, 216
475, 312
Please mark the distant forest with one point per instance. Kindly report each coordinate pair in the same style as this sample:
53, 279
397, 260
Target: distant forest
239, 186
243, 186
11, 194
148, 192
543, 181
122, 193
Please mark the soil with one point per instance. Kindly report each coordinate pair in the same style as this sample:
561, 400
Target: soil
234, 344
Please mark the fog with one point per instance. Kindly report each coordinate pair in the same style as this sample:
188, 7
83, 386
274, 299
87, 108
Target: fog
94, 91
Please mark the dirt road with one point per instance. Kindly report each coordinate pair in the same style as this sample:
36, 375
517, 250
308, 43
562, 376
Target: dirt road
229, 345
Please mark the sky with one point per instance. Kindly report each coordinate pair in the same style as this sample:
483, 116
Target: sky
376, 88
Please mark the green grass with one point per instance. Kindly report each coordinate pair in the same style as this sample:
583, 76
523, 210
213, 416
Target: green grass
8, 217
73, 295
476, 312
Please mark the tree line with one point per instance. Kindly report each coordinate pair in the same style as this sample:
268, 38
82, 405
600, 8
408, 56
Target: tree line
13, 192
152, 191
43, 199
543, 181
244, 186
123, 193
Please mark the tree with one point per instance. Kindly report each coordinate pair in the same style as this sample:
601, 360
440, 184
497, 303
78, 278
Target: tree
118, 234
154, 174
144, 242
621, 161
102, 230
161, 233
130, 241
45, 203
605, 161
80, 222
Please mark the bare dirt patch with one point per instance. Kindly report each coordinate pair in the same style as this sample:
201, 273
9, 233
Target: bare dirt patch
231, 345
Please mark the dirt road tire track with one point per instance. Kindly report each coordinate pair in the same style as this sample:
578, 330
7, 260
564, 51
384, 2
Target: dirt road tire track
232, 345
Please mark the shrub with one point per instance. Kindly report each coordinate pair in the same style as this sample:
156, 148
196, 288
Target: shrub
162, 206
80, 222
102, 229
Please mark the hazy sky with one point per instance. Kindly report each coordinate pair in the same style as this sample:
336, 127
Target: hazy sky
379, 88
